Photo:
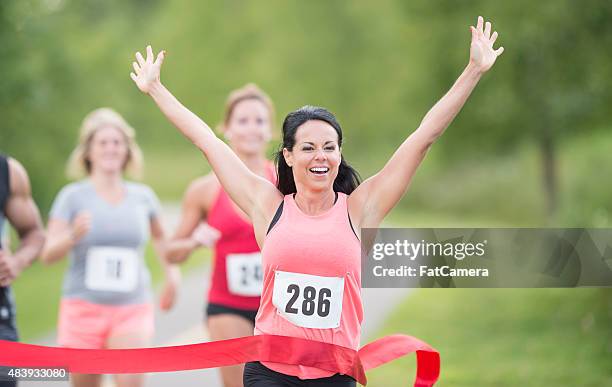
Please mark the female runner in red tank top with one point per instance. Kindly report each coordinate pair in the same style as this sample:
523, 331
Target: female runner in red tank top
311, 258
237, 277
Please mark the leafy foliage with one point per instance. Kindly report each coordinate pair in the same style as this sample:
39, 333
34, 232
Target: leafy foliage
378, 66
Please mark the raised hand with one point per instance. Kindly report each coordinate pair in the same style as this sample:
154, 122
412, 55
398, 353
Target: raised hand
146, 70
482, 54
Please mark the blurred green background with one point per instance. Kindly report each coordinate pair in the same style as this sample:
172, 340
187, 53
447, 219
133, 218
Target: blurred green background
532, 147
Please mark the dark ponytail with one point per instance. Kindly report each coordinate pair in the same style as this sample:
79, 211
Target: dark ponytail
348, 178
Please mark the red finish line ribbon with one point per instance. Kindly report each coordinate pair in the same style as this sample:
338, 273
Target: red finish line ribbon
272, 348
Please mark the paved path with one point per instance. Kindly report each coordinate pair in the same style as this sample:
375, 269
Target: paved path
183, 325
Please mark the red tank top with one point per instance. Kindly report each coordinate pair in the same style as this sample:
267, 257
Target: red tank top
312, 281
236, 274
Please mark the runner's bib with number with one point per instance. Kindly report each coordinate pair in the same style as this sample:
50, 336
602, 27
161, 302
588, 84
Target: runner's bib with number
308, 301
244, 274
111, 269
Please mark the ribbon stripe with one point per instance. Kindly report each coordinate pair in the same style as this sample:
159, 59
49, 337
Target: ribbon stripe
271, 348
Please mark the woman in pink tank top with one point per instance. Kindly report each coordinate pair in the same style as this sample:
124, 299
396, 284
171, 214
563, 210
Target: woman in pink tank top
307, 225
236, 276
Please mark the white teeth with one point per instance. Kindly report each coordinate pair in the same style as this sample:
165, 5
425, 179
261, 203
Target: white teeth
319, 169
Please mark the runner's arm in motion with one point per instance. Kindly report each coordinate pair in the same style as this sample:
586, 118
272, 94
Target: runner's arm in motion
190, 233
63, 235
172, 273
22, 213
248, 190
380, 193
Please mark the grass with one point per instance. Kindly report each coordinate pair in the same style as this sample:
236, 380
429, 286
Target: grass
507, 337
433, 219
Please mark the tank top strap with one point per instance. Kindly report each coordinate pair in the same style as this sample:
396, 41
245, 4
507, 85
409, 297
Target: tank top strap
341, 211
289, 206
341, 201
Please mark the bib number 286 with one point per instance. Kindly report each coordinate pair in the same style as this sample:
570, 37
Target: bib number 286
312, 302
307, 300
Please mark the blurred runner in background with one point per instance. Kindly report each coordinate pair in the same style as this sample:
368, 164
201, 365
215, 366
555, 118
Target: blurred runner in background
16, 206
104, 222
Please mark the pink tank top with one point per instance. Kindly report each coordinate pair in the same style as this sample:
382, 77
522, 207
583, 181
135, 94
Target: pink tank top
312, 281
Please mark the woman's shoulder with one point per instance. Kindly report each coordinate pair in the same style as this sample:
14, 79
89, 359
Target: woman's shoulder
202, 191
140, 191
75, 188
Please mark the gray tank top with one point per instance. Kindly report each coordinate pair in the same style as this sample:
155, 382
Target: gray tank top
107, 265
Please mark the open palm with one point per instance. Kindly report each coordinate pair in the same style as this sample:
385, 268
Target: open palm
146, 70
482, 53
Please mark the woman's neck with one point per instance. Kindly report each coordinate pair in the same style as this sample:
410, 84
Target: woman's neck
314, 202
105, 182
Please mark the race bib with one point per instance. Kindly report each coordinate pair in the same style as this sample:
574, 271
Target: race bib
244, 274
111, 269
308, 301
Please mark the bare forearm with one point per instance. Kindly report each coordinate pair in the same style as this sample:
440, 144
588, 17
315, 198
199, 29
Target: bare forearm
189, 124
161, 250
179, 250
57, 247
29, 248
446, 109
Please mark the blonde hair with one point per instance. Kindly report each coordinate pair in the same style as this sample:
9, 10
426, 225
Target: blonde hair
248, 91
79, 165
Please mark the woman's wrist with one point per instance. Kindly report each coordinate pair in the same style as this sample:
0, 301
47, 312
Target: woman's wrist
73, 238
172, 272
155, 88
474, 70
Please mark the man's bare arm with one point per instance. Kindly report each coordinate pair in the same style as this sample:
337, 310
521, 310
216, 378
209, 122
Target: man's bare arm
22, 213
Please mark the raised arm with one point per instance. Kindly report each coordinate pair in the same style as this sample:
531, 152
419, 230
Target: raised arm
246, 188
376, 196
22, 213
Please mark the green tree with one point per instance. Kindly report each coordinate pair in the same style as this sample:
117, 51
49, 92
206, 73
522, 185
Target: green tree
553, 80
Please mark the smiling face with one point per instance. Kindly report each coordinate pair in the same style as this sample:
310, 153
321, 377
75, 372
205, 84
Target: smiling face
315, 157
248, 129
108, 150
